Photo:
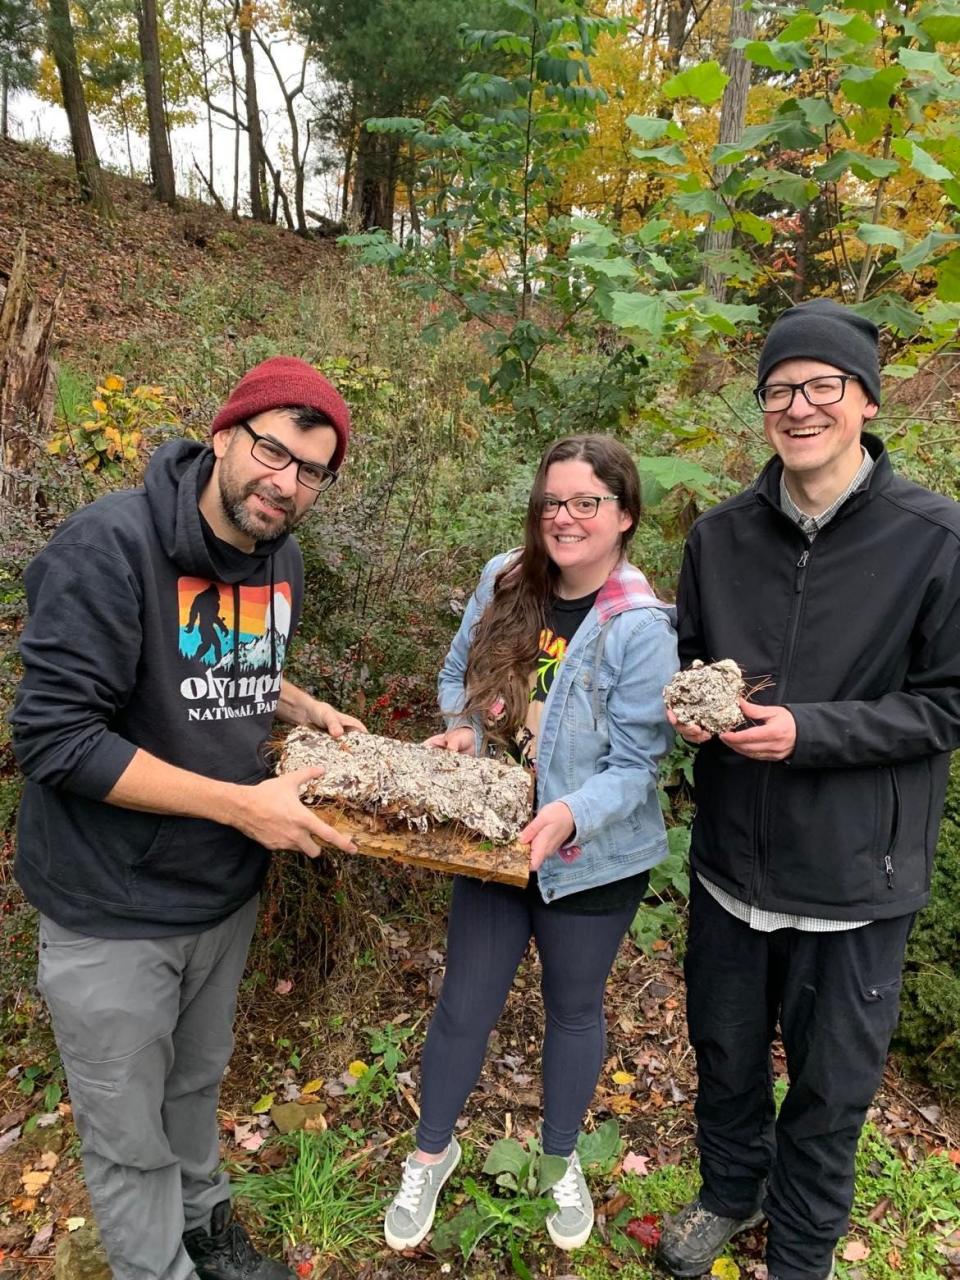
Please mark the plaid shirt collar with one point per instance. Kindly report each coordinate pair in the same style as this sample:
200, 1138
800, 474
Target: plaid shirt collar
626, 588
811, 525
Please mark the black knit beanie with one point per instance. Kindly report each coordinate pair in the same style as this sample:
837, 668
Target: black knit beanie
825, 330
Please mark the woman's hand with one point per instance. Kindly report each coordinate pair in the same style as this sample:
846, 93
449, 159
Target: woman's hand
549, 831
462, 741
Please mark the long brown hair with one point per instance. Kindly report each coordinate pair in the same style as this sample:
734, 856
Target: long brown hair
507, 639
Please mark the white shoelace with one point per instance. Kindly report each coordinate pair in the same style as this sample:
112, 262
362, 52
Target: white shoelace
411, 1187
566, 1192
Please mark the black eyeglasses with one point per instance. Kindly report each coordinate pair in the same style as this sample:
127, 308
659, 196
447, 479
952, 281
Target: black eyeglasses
312, 475
776, 397
582, 508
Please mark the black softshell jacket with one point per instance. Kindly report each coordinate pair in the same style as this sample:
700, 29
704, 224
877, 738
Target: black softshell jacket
859, 634
145, 630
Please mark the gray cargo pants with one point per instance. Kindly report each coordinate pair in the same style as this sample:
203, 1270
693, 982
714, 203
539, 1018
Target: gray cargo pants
145, 1030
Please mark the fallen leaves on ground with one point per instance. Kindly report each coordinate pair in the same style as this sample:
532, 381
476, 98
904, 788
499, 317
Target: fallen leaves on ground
645, 1230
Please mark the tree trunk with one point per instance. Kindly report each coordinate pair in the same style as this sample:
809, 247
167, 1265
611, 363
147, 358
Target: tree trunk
297, 158
258, 209
733, 112
4, 101
63, 49
26, 390
161, 160
375, 178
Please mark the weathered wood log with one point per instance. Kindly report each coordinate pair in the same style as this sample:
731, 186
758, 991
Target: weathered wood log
26, 387
422, 807
457, 853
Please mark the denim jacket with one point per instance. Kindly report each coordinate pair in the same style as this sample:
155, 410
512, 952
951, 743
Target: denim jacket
602, 731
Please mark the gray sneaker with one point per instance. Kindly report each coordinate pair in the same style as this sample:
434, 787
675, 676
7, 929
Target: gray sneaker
693, 1239
412, 1209
569, 1226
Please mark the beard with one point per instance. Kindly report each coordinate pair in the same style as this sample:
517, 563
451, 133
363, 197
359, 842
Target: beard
253, 522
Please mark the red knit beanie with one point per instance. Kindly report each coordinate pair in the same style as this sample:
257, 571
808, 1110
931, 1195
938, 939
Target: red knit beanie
281, 382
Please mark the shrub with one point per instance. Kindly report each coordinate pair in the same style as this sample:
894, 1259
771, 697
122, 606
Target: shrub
929, 1032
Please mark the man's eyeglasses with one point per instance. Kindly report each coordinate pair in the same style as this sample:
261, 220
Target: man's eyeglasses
583, 508
776, 397
312, 475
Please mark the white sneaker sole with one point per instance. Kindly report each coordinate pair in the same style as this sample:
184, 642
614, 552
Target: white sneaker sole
399, 1243
570, 1242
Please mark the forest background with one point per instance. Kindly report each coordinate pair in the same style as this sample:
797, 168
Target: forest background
550, 218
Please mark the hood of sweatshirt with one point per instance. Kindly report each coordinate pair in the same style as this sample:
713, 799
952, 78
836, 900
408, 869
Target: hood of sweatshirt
176, 476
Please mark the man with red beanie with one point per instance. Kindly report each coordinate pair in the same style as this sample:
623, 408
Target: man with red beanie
835, 584
159, 621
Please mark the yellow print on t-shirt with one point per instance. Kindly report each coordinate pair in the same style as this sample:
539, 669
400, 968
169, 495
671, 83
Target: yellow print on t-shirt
553, 649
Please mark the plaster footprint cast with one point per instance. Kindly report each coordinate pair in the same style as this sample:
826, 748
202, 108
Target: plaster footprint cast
707, 695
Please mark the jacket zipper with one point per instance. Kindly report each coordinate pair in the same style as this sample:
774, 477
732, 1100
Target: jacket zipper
799, 583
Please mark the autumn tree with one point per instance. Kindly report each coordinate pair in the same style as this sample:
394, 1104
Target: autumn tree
64, 53
161, 159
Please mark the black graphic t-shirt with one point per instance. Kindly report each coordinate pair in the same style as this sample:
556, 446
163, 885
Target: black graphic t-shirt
564, 619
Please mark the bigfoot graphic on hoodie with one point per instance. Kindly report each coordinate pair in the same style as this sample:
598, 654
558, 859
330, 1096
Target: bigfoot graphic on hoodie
146, 630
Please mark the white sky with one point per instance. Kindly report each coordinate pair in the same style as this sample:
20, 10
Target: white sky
32, 120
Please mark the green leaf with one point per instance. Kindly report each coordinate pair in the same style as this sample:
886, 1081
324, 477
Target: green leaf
755, 135
727, 317
594, 233
921, 160
930, 64
601, 1146
758, 229
876, 233
649, 128
641, 311
863, 166
506, 1156
854, 26
653, 230
650, 922
262, 1104
801, 26
701, 201
924, 250
727, 153
764, 53
609, 268
552, 1169
670, 155
671, 473
705, 82
869, 88
948, 278
944, 28
891, 310
790, 187
817, 112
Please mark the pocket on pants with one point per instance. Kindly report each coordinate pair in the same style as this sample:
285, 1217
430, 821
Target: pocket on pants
117, 1107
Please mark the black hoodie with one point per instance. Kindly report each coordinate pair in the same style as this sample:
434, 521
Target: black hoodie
145, 630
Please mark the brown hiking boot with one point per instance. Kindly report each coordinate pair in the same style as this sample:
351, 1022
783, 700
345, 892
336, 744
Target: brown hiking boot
693, 1238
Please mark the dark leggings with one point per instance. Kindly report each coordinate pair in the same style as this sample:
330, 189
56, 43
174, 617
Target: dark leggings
489, 928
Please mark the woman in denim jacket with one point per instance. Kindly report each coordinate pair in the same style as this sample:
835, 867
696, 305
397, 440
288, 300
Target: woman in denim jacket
561, 657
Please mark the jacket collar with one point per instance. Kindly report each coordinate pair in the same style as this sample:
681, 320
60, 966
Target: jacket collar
767, 484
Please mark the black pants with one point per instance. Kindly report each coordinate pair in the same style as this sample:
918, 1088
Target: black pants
489, 929
835, 996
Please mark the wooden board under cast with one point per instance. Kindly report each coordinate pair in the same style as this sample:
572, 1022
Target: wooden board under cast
439, 849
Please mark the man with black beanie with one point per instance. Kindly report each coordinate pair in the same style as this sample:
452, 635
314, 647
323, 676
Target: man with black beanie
835, 584
159, 620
